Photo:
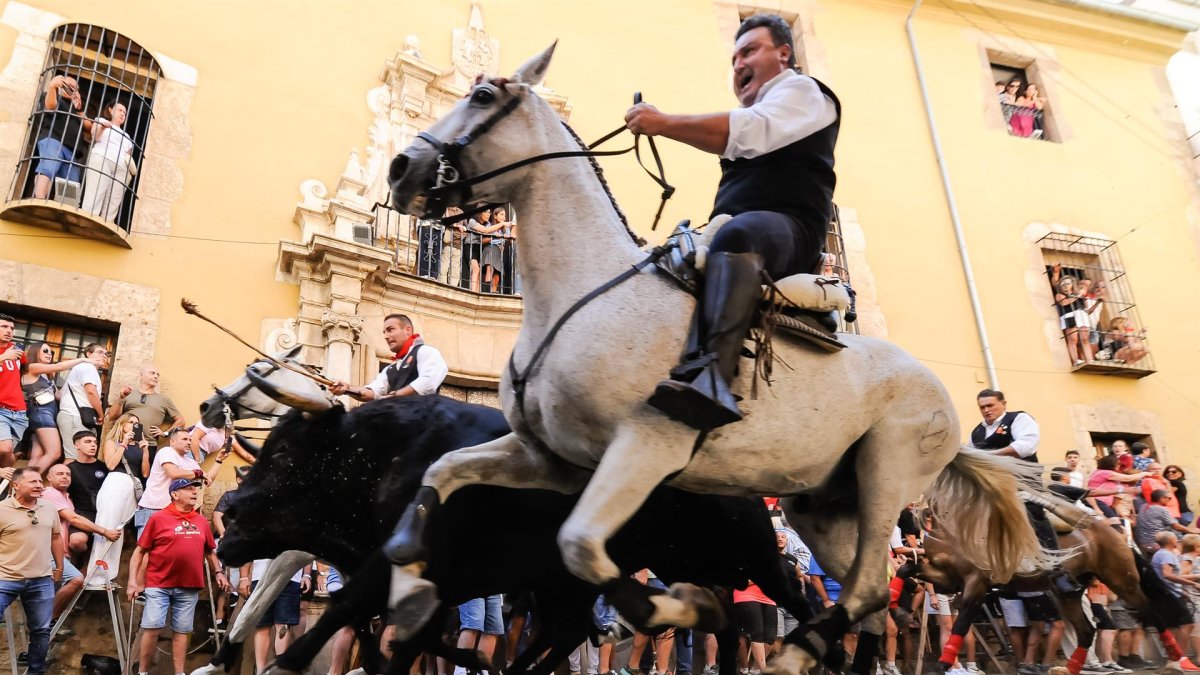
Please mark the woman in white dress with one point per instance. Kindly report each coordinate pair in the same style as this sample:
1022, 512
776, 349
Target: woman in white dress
110, 163
126, 452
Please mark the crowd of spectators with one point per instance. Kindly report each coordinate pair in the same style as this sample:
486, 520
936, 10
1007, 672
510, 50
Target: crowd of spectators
1023, 105
83, 155
477, 253
1080, 303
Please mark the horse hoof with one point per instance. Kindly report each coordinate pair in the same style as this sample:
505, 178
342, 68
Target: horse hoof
586, 558
710, 614
414, 600
791, 661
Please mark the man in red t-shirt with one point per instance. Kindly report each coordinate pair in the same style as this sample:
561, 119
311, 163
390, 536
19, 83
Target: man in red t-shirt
13, 420
168, 564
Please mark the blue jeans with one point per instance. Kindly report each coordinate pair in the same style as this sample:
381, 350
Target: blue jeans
13, 424
37, 597
141, 517
56, 160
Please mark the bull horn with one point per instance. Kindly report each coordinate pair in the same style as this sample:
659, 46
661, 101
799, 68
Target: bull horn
248, 445
292, 399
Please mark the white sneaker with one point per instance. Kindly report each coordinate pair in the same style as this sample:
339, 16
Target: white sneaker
974, 669
891, 669
1114, 667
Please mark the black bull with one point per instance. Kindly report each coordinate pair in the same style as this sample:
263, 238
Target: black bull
334, 484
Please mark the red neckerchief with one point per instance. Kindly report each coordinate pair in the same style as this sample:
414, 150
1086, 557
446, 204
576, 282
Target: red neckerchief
407, 346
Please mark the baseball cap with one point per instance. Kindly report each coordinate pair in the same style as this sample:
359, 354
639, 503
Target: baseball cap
180, 483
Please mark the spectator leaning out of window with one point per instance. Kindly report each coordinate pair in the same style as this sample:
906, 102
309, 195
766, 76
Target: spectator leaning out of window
62, 130
31, 560
168, 564
110, 163
156, 412
1072, 319
41, 400
1127, 344
80, 404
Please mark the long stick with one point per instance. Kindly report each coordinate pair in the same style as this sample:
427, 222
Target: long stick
190, 308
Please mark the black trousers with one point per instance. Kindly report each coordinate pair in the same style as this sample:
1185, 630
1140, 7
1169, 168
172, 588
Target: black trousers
1042, 527
786, 245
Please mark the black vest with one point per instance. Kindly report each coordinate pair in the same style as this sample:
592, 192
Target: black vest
402, 373
1002, 438
796, 180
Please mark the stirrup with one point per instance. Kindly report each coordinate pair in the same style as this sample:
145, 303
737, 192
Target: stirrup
703, 404
690, 369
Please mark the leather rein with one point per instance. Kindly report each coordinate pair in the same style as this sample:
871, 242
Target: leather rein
451, 176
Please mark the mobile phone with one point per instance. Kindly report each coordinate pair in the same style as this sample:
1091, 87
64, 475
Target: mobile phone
137, 432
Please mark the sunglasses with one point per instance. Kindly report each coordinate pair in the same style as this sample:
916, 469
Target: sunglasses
32, 518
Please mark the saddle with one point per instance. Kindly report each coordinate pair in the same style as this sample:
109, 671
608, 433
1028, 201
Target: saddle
792, 304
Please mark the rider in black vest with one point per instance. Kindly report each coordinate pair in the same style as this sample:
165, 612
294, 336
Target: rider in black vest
418, 369
777, 182
1003, 441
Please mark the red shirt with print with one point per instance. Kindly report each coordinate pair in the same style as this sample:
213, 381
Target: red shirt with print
176, 543
11, 396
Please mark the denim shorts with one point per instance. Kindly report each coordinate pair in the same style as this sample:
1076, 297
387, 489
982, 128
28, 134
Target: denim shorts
56, 161
285, 611
70, 571
483, 614
603, 614
13, 424
43, 416
180, 601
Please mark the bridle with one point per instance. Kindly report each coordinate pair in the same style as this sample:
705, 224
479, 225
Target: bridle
451, 176
232, 401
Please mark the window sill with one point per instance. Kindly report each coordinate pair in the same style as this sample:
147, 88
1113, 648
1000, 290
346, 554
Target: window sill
1133, 371
60, 217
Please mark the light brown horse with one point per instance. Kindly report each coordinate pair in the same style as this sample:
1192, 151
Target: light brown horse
1099, 551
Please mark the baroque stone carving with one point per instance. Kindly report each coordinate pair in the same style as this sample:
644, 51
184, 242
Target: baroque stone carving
339, 328
475, 51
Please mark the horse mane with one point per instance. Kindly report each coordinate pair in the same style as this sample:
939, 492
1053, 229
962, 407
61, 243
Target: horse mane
604, 184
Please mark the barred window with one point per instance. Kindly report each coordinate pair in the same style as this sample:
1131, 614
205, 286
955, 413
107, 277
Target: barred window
66, 335
87, 130
1093, 300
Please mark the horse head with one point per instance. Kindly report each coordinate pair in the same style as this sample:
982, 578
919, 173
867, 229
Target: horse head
495, 126
246, 400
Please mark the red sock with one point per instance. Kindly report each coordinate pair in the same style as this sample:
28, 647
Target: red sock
950, 651
1075, 663
1173, 651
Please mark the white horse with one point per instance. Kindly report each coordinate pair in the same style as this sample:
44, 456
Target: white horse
852, 437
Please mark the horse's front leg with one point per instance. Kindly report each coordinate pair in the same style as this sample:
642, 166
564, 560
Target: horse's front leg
506, 462
637, 460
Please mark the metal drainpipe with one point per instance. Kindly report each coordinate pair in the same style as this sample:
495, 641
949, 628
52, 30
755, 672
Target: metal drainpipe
963, 255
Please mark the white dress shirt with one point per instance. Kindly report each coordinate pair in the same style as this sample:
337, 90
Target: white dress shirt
431, 371
789, 107
1024, 431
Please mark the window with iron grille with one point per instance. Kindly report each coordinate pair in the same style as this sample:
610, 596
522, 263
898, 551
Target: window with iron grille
1094, 303
87, 131
66, 336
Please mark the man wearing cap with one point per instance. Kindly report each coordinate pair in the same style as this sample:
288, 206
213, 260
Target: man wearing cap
168, 565
170, 463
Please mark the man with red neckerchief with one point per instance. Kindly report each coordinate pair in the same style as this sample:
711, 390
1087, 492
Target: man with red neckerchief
419, 369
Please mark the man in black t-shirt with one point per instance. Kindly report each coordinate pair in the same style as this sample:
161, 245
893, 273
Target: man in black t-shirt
87, 475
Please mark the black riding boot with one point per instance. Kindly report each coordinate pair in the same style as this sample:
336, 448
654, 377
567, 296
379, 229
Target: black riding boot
698, 392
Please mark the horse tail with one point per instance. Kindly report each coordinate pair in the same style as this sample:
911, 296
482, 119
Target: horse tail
975, 499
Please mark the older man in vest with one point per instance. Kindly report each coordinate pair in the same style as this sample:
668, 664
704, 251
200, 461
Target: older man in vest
777, 182
419, 369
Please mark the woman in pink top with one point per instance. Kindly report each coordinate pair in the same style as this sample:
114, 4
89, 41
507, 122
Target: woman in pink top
756, 619
1105, 477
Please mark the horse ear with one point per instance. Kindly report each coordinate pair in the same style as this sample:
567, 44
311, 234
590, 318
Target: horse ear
533, 71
